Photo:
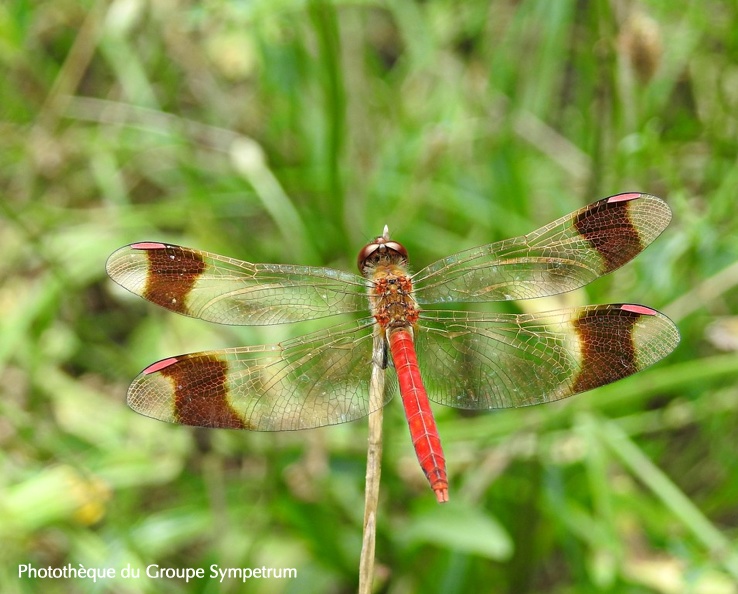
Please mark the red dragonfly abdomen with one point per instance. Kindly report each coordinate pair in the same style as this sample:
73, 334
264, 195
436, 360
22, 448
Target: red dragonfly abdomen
423, 430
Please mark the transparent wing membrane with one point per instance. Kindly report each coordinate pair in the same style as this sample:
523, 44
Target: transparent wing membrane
482, 361
311, 381
229, 291
564, 255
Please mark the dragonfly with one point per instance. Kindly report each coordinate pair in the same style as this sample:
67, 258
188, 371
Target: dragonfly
463, 359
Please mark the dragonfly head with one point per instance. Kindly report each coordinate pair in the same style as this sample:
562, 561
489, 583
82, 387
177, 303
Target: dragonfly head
382, 248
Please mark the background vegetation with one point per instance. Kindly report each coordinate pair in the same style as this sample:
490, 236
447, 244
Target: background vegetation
292, 131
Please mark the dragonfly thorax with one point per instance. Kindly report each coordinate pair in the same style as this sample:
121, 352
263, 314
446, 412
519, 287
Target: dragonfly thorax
391, 297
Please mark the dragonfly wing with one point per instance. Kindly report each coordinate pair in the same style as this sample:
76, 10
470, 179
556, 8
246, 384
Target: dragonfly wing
228, 291
311, 381
483, 361
560, 257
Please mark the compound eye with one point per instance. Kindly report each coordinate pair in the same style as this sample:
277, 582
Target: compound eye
366, 253
396, 246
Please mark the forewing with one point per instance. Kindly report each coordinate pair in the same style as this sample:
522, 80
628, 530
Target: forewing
228, 291
311, 381
560, 257
482, 361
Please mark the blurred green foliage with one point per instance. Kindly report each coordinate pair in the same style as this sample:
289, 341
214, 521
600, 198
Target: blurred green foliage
292, 131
